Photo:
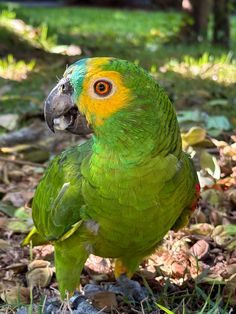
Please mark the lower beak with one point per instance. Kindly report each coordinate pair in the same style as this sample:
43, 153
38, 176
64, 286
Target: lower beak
61, 113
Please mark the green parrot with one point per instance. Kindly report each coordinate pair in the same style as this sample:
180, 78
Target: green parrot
119, 193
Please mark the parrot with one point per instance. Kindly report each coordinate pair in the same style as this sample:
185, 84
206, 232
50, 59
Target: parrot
120, 192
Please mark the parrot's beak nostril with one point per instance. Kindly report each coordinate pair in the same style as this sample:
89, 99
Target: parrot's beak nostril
61, 113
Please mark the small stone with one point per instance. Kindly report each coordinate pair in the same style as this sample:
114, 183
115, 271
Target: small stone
22, 310
86, 308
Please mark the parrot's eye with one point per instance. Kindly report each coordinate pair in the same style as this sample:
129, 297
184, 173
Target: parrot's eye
102, 88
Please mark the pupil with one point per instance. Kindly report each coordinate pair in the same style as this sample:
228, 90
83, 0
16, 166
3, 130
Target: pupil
101, 87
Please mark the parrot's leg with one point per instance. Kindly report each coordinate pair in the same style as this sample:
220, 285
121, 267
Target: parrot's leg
121, 269
70, 257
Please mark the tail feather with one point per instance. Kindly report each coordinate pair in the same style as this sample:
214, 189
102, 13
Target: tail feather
70, 257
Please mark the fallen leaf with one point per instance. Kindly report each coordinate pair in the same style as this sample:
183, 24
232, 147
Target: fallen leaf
19, 198
194, 136
200, 249
210, 164
214, 198
39, 274
16, 295
231, 194
4, 245
229, 291
3, 223
7, 209
38, 263
17, 225
9, 121
17, 268
202, 229
99, 264
224, 235
205, 179
104, 300
178, 270
39, 277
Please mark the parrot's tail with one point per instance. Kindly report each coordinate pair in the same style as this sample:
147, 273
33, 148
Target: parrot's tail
70, 257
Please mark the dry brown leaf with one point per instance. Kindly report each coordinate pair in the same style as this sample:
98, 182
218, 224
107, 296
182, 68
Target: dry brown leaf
178, 270
39, 277
3, 222
17, 268
4, 245
229, 291
202, 229
105, 300
38, 263
231, 194
230, 270
99, 264
16, 295
149, 272
39, 273
199, 216
19, 198
200, 249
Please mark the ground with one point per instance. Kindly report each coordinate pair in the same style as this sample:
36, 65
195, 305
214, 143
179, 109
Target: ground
193, 271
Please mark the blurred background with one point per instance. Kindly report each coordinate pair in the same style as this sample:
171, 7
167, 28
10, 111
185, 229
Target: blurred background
189, 47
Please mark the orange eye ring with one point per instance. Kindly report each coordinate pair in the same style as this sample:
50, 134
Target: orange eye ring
102, 88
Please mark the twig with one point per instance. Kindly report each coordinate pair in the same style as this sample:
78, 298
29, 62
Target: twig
22, 162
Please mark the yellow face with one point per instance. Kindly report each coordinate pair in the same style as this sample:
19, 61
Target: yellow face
103, 92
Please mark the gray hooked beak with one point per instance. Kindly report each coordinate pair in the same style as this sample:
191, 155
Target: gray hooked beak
61, 113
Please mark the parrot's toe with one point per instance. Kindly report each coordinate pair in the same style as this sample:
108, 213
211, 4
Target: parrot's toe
132, 289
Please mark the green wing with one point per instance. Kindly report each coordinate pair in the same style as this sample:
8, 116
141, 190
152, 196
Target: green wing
58, 198
187, 193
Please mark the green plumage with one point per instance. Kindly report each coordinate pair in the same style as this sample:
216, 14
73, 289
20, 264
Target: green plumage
118, 194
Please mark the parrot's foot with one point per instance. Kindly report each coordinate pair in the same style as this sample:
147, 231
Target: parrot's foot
132, 289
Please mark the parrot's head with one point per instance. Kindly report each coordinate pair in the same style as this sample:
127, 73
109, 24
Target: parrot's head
112, 96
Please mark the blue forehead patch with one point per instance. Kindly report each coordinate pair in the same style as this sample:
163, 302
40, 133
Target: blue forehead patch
78, 71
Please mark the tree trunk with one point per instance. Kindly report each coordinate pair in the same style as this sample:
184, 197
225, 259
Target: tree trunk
221, 28
199, 11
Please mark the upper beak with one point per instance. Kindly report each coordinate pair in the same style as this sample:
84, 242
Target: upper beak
61, 112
